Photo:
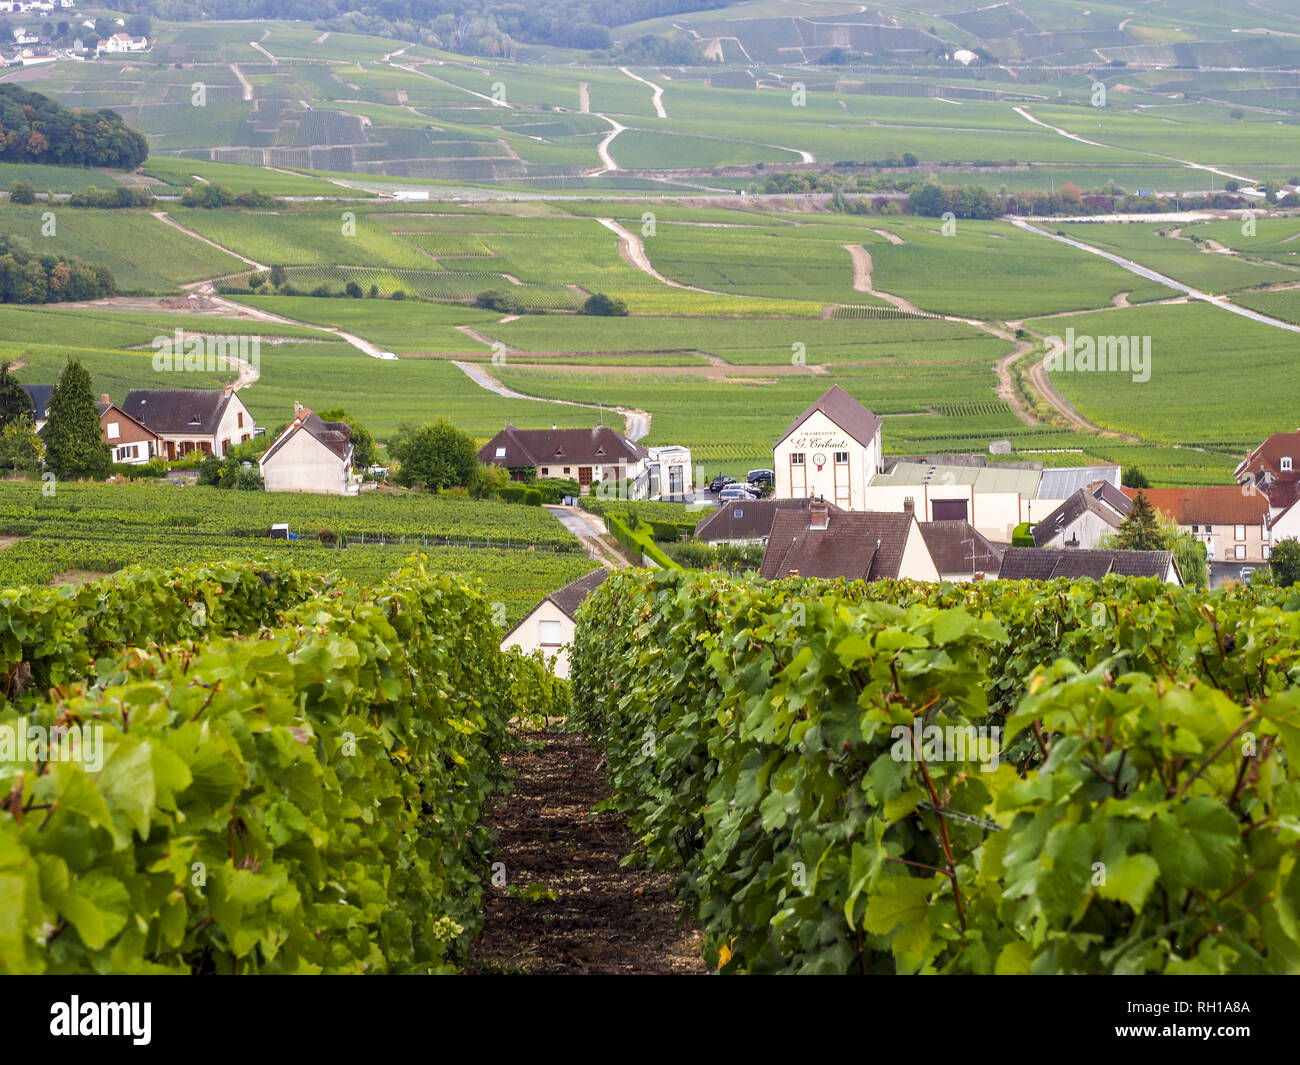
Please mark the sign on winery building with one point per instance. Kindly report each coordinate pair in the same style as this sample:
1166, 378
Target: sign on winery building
831, 450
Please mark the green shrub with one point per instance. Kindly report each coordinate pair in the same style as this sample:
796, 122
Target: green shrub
304, 799
1127, 808
532, 497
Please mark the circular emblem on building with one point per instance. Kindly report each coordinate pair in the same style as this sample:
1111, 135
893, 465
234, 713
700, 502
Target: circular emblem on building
820, 460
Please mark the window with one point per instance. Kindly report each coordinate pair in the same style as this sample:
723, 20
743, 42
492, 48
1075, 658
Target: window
114, 431
546, 471
1239, 532
501, 452
1240, 552
239, 419
1263, 532
738, 513
796, 459
841, 458
1209, 530
1267, 552
566, 470
551, 636
1286, 463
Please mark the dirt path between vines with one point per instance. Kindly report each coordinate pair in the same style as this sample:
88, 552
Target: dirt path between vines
604, 918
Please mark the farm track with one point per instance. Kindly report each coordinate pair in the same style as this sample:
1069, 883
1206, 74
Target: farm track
243, 81
658, 99
602, 149
1119, 148
1006, 388
636, 422
605, 918
1222, 302
167, 219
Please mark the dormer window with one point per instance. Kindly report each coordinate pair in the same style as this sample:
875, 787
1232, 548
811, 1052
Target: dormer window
1286, 464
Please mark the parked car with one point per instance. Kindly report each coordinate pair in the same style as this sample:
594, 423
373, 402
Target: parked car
734, 492
720, 482
761, 477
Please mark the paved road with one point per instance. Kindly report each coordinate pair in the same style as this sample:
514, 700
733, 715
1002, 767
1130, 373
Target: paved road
1151, 275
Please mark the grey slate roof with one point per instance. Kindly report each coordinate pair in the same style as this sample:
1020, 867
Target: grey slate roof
177, 410
600, 446
1101, 497
1042, 564
949, 545
746, 519
860, 545
337, 436
40, 396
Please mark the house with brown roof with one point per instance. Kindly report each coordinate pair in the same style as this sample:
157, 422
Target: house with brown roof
131, 441
1273, 468
959, 551
211, 420
831, 451
588, 456
1046, 564
1084, 518
311, 455
549, 626
1232, 522
746, 521
858, 545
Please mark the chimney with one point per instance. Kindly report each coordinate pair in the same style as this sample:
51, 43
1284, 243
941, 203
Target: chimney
909, 505
104, 398
297, 408
554, 425
819, 514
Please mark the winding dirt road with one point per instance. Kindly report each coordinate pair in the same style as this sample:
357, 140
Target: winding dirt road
636, 422
657, 99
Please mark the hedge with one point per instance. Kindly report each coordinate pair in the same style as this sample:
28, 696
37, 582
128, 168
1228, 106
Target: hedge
305, 800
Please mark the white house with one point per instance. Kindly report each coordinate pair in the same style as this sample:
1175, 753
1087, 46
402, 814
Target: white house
123, 42
1083, 519
831, 451
192, 419
549, 626
311, 455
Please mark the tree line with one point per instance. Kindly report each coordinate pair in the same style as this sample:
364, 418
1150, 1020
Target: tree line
26, 277
36, 129
472, 27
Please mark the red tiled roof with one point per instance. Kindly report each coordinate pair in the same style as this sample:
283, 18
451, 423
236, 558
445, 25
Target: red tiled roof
1267, 458
1208, 504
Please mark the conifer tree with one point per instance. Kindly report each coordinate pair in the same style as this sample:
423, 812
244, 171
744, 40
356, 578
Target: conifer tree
74, 447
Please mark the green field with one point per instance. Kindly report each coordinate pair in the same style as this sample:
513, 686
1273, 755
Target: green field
1196, 357
144, 254
101, 528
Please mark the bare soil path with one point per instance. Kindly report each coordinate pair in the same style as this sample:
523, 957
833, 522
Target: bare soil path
657, 99
167, 219
604, 918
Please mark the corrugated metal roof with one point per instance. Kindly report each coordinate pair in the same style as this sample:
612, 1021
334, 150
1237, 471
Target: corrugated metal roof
984, 478
1061, 482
